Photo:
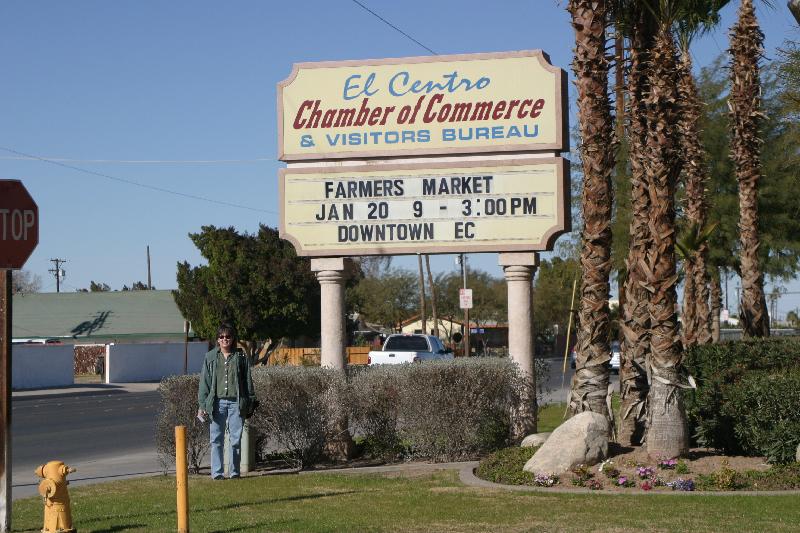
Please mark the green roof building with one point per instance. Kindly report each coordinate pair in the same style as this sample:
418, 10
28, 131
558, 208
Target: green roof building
98, 317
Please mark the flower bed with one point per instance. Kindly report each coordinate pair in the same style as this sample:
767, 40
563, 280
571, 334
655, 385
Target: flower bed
633, 471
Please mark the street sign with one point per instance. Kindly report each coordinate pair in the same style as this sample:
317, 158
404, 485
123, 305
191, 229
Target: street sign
465, 298
19, 224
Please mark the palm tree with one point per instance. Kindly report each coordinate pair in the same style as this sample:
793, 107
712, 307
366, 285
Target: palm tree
696, 310
745, 113
636, 319
591, 68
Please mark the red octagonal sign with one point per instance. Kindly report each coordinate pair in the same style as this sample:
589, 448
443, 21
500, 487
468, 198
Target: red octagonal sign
19, 224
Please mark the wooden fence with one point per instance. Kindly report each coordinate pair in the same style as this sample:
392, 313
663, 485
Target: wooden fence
356, 355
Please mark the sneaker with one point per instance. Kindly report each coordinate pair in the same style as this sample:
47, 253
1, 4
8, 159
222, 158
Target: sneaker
217, 478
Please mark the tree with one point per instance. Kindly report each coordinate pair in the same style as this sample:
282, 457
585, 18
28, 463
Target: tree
257, 282
591, 68
489, 300
696, 311
779, 213
95, 286
137, 286
25, 282
552, 293
389, 298
745, 111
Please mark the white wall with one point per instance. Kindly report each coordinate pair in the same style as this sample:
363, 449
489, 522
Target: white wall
38, 366
131, 363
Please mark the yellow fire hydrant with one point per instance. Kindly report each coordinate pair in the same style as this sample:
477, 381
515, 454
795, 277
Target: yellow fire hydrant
53, 488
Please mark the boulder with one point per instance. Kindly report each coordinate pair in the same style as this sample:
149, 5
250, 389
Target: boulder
583, 439
536, 439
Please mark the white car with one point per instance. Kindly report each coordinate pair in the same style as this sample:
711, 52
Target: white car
615, 353
613, 364
409, 348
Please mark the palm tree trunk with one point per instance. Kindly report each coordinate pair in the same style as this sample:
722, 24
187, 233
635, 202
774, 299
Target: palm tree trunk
590, 65
422, 295
667, 432
745, 104
432, 286
634, 385
696, 325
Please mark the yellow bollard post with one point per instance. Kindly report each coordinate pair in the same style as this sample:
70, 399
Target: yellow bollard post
182, 477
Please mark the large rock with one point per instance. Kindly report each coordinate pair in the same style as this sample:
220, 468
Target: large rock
536, 439
583, 439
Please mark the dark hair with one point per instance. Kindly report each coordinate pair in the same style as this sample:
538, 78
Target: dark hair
228, 328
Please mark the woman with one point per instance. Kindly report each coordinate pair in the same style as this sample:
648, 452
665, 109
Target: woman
226, 392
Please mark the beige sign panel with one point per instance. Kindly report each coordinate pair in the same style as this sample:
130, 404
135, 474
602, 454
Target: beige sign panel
477, 103
474, 206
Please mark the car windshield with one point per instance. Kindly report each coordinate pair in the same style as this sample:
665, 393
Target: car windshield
411, 344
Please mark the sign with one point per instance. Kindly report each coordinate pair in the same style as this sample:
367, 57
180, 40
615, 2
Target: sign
465, 299
458, 104
447, 207
19, 224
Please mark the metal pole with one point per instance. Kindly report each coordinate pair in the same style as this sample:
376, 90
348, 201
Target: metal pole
466, 311
5, 400
182, 478
185, 347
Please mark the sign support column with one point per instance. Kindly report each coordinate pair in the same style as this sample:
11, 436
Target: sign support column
5, 399
332, 273
519, 269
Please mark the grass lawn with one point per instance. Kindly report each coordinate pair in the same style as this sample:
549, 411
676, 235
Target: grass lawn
430, 502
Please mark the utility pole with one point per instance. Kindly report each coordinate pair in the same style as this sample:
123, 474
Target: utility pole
149, 279
463, 261
58, 272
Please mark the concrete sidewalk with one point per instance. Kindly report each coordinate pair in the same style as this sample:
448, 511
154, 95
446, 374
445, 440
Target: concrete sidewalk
82, 389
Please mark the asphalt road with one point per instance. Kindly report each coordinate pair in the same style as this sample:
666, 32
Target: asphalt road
556, 387
105, 435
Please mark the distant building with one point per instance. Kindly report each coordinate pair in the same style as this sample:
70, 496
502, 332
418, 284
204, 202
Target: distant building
97, 317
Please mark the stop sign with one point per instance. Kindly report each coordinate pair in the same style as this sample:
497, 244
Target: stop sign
19, 224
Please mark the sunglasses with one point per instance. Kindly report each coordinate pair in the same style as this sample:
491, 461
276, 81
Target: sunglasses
225, 337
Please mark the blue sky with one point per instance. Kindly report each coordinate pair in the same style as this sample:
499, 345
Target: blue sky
195, 81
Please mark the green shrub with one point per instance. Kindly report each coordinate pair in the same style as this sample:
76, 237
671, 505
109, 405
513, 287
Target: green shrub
373, 399
440, 411
765, 407
505, 466
178, 407
456, 410
299, 410
718, 369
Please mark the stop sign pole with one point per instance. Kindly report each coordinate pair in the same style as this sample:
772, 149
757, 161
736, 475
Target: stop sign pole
19, 235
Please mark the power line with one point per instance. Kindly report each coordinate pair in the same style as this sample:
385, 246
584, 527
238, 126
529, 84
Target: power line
141, 161
371, 12
136, 183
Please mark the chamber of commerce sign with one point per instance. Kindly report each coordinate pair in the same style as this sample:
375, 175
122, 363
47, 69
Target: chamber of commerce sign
477, 206
477, 103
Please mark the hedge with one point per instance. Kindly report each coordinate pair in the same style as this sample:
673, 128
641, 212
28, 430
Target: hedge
440, 411
725, 411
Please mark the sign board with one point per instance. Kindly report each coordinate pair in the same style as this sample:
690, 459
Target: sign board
465, 298
19, 224
447, 207
458, 104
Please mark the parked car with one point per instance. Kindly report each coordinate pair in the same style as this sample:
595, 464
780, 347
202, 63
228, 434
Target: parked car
409, 348
613, 364
615, 353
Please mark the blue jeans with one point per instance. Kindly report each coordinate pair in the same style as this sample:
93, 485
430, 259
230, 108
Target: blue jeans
226, 412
